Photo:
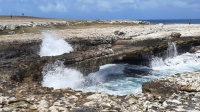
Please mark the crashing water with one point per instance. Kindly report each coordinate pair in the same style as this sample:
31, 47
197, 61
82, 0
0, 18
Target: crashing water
171, 50
171, 53
53, 46
57, 76
120, 79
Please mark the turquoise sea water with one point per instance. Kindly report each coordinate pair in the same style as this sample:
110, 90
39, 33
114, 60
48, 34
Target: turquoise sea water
120, 79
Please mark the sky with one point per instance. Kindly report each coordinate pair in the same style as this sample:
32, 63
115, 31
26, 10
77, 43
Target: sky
103, 9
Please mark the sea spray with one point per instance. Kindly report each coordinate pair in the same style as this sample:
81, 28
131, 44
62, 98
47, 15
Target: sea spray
56, 75
52, 45
172, 52
97, 79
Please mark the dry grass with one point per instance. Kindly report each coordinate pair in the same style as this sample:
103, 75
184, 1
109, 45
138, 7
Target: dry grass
73, 24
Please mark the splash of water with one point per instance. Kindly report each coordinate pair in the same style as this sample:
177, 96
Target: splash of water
56, 75
52, 46
172, 52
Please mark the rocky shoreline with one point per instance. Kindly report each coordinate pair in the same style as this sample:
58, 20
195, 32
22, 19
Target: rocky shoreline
32, 97
20, 69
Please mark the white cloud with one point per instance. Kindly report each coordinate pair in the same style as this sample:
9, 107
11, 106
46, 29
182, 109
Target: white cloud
184, 4
50, 7
119, 5
104, 5
114, 5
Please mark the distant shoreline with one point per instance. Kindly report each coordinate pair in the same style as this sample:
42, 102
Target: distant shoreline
153, 21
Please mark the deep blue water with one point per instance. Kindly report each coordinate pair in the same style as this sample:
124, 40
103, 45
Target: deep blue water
174, 21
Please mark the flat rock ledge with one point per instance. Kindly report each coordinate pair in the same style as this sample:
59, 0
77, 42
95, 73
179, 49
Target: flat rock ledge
184, 96
189, 82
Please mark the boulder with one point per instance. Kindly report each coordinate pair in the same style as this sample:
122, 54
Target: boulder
160, 87
175, 35
119, 33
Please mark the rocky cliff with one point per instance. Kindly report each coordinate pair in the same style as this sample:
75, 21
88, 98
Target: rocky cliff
21, 67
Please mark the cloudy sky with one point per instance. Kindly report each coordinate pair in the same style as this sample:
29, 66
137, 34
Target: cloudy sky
104, 9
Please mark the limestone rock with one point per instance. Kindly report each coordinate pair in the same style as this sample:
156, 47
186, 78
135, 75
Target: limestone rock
2, 27
10, 27
90, 104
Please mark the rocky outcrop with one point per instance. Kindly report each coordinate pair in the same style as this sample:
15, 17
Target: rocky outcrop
118, 33
20, 61
175, 35
188, 82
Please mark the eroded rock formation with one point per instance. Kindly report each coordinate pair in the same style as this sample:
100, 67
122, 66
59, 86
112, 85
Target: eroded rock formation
21, 62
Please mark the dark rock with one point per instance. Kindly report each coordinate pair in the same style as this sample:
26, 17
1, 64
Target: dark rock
194, 49
160, 88
175, 35
119, 33
144, 22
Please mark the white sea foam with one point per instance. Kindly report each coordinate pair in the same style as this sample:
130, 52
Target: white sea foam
52, 45
56, 75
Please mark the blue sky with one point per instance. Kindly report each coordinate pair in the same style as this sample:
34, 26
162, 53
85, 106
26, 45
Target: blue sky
104, 9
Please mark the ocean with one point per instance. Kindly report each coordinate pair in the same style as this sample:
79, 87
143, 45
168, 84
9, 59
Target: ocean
174, 21
116, 79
